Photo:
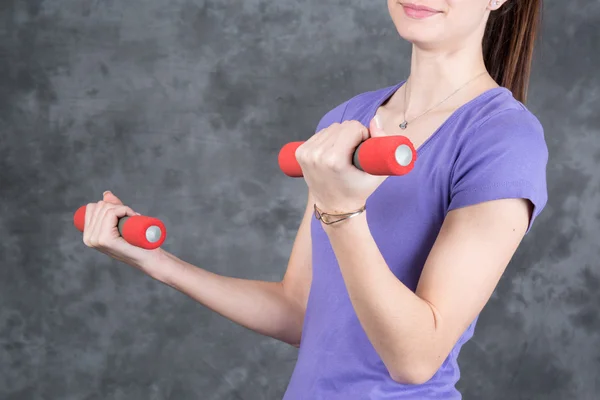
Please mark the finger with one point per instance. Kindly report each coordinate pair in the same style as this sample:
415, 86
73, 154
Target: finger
354, 133
305, 150
350, 137
109, 197
89, 213
326, 134
323, 135
100, 227
324, 142
97, 221
359, 132
110, 222
98, 218
376, 127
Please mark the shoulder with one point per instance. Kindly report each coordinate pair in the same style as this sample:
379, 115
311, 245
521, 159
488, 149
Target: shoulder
503, 145
502, 121
501, 154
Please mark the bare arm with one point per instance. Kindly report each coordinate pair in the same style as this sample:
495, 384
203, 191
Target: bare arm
274, 309
414, 332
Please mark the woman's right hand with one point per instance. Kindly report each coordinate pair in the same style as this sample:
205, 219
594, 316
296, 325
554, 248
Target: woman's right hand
101, 233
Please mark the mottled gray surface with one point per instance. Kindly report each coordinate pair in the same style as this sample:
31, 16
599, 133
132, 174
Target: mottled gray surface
180, 108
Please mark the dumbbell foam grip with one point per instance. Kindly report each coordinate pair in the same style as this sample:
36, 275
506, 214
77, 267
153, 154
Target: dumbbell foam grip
384, 155
287, 160
146, 232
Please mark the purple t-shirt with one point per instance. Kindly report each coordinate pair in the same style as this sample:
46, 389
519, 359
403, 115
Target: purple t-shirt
490, 148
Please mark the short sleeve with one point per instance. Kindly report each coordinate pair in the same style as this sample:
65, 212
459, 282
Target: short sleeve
505, 156
334, 115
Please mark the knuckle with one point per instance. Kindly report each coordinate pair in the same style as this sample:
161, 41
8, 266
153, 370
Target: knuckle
316, 157
357, 125
352, 123
331, 162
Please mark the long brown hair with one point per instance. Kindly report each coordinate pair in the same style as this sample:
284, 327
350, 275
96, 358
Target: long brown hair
508, 44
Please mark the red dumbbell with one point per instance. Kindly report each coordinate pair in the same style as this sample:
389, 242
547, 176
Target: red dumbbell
384, 155
141, 231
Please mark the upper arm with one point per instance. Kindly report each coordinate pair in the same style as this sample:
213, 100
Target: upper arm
298, 276
468, 258
497, 188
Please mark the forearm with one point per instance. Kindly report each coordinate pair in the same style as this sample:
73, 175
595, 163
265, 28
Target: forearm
260, 306
400, 325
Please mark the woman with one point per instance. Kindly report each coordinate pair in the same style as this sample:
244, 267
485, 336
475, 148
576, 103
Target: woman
380, 302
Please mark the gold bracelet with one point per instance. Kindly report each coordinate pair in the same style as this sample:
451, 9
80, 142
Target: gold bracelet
324, 217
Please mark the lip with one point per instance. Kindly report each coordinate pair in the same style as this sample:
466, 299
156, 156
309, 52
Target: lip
418, 11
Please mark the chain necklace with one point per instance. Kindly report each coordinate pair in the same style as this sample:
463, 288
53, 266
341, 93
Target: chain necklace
404, 124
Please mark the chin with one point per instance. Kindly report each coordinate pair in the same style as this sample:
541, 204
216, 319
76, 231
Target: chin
422, 31
413, 33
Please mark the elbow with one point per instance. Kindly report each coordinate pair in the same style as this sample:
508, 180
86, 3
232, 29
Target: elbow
420, 366
291, 337
417, 372
411, 377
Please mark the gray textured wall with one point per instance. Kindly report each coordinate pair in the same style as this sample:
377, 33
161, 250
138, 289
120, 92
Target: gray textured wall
180, 107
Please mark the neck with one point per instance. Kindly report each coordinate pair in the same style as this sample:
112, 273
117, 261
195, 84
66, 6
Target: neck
435, 74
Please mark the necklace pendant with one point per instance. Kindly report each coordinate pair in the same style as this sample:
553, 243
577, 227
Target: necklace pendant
404, 125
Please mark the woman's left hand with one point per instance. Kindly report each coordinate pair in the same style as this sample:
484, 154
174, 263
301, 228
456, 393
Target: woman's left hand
326, 162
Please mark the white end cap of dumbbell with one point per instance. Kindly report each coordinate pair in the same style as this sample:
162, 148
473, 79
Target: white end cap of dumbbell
403, 155
153, 234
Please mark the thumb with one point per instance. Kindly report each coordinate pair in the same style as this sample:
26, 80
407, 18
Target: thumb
111, 198
375, 127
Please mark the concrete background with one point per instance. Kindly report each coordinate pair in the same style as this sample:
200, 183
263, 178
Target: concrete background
180, 108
